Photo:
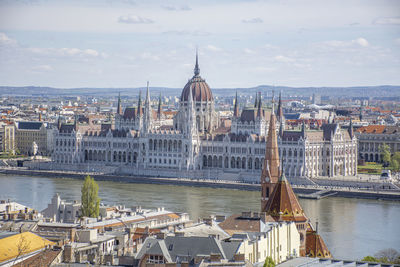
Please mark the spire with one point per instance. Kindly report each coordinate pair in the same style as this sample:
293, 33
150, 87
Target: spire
351, 131
159, 108
196, 67
59, 121
273, 103
259, 106
147, 111
282, 178
140, 104
119, 107
256, 101
191, 114
303, 130
270, 173
279, 111
147, 101
281, 128
236, 108
76, 122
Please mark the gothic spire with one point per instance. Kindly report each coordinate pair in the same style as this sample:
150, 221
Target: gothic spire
196, 67
256, 101
270, 173
236, 108
140, 103
119, 107
159, 108
351, 131
279, 111
259, 106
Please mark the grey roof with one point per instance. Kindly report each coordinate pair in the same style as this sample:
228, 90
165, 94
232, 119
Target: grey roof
173, 247
29, 125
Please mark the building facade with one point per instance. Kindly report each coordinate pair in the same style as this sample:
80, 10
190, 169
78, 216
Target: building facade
7, 138
372, 137
27, 133
195, 144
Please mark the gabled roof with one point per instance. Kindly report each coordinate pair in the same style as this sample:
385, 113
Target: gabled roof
283, 204
315, 246
379, 129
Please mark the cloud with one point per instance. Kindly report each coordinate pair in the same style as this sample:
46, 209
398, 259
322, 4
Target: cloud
192, 33
213, 48
253, 20
397, 41
264, 69
73, 52
387, 21
5, 40
132, 19
42, 68
357, 42
174, 8
249, 51
283, 59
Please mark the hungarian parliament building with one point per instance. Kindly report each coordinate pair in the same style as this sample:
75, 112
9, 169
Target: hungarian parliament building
195, 145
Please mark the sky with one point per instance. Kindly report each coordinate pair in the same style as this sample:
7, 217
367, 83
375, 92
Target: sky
125, 43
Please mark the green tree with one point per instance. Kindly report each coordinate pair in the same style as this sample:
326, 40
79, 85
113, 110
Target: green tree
269, 262
385, 153
370, 259
394, 165
90, 199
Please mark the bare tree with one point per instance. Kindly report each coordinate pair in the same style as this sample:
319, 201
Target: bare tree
389, 255
22, 247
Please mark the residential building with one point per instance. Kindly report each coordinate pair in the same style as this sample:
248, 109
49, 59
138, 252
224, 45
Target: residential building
29, 132
7, 138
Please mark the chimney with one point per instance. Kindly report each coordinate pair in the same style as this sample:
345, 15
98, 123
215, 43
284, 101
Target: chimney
215, 257
238, 257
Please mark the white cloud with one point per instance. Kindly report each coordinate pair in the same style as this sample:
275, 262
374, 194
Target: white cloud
5, 40
264, 69
387, 21
133, 19
249, 51
253, 20
357, 42
76, 52
42, 68
283, 59
362, 42
213, 48
174, 8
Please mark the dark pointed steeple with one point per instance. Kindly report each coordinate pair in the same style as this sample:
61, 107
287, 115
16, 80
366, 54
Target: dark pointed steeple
119, 107
259, 107
303, 130
279, 111
159, 108
236, 108
351, 131
196, 67
140, 109
256, 101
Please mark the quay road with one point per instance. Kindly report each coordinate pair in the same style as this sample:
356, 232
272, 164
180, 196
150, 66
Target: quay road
354, 188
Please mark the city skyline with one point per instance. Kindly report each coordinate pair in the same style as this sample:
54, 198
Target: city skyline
241, 43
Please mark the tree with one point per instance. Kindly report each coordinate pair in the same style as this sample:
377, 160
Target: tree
385, 153
388, 255
269, 262
23, 246
89, 198
370, 259
394, 165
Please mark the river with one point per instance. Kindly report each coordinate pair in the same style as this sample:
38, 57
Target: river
351, 228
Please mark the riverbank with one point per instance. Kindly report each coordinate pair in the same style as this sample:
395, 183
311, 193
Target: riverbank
336, 191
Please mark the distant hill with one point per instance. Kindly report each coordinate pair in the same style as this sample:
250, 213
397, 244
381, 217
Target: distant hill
382, 91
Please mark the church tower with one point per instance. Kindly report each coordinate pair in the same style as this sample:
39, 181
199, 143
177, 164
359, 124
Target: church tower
270, 172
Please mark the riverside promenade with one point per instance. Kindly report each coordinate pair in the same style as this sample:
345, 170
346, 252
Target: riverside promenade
357, 188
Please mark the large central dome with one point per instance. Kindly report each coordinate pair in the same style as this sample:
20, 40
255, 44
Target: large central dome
200, 89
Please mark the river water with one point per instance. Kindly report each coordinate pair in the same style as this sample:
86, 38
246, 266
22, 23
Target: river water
351, 228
